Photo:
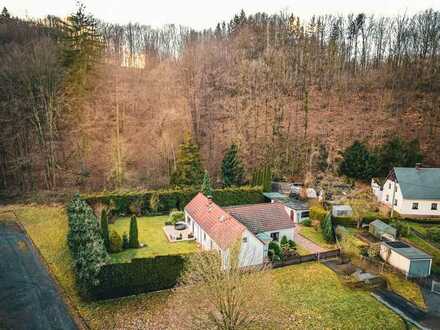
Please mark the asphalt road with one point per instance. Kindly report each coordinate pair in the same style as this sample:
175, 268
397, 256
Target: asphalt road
29, 298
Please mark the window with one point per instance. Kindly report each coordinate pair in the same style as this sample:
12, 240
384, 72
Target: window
434, 206
305, 214
275, 236
415, 206
387, 198
244, 239
389, 185
395, 188
204, 236
395, 202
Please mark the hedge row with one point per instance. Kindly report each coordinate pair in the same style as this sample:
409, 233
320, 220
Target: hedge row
350, 222
125, 202
139, 276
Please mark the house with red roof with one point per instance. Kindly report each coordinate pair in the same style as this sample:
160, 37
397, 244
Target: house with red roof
253, 226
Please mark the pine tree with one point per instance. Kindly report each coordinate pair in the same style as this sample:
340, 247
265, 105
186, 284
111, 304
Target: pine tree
206, 185
232, 167
5, 13
188, 170
104, 229
327, 229
358, 162
133, 236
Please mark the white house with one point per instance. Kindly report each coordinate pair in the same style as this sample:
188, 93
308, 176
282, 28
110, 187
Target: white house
254, 226
297, 210
411, 261
413, 191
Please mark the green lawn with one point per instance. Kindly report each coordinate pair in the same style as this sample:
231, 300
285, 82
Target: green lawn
316, 299
315, 236
150, 233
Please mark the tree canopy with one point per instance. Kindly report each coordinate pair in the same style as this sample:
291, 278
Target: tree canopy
232, 167
188, 171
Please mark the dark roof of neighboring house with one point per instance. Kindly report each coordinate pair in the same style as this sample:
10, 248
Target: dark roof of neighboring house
418, 183
287, 201
406, 250
259, 218
223, 229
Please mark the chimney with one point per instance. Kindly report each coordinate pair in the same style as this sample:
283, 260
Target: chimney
418, 166
222, 218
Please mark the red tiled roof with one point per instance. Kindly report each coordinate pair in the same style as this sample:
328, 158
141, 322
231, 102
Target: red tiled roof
263, 217
223, 229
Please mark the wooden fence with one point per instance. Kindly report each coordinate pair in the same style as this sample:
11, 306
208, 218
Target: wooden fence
307, 258
423, 237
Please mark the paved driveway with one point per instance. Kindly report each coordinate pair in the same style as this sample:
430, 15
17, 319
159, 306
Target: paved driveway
29, 298
306, 243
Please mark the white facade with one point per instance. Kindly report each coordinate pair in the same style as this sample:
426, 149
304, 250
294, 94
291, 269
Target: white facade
252, 250
392, 194
403, 263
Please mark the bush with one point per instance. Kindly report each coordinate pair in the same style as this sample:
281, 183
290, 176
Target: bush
433, 234
104, 229
291, 244
85, 243
125, 241
317, 213
283, 241
176, 216
133, 240
115, 242
307, 223
167, 200
276, 250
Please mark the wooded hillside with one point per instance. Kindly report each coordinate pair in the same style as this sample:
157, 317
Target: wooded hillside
90, 105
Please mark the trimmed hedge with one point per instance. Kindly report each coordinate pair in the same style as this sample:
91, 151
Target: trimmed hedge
172, 199
139, 276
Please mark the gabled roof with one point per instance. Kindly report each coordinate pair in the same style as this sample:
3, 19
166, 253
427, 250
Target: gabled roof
223, 229
418, 183
259, 218
406, 250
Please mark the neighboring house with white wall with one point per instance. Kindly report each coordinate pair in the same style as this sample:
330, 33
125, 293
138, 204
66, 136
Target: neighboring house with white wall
413, 191
297, 210
253, 226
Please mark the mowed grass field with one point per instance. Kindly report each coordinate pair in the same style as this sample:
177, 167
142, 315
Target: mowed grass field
150, 233
312, 295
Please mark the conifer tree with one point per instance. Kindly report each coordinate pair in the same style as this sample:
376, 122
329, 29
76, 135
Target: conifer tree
327, 229
206, 185
232, 167
5, 13
188, 170
104, 229
133, 237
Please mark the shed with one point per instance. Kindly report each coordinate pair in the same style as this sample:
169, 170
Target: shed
298, 210
380, 229
342, 211
411, 261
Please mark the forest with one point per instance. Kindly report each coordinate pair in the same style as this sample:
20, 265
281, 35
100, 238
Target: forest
87, 105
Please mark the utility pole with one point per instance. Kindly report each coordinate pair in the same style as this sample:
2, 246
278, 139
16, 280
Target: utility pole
392, 199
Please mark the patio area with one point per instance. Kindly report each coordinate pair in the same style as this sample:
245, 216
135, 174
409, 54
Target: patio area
175, 235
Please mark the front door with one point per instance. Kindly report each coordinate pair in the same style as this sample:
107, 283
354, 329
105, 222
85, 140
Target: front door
292, 215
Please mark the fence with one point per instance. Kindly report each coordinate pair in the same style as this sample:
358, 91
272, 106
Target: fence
423, 237
307, 258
